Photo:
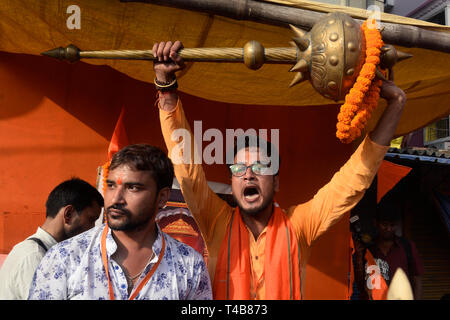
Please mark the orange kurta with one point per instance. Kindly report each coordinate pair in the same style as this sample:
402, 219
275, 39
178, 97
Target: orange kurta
309, 220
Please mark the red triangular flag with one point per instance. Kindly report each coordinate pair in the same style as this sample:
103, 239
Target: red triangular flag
119, 138
389, 175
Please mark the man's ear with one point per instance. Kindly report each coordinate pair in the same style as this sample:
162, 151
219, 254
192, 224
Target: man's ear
68, 213
163, 197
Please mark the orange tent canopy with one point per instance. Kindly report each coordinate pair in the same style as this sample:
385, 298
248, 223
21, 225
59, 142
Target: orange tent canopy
35, 27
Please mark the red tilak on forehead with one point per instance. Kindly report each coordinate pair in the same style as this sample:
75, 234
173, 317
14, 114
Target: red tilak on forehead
119, 180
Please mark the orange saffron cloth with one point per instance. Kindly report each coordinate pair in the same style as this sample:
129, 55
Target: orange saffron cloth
234, 276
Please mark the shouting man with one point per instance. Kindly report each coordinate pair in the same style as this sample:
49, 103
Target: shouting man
257, 250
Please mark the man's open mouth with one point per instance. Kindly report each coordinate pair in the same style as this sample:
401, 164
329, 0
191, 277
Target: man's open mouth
251, 193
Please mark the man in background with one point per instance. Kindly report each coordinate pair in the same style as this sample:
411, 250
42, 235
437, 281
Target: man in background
392, 252
389, 252
71, 208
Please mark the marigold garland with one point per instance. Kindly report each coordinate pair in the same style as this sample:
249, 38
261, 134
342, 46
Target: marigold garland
363, 97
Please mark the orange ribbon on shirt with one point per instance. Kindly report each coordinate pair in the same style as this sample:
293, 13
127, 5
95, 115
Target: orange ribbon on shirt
105, 265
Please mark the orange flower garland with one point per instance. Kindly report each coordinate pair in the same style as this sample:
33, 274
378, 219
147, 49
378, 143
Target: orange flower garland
362, 99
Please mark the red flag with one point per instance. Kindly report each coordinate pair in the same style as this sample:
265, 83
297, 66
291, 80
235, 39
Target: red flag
119, 138
389, 175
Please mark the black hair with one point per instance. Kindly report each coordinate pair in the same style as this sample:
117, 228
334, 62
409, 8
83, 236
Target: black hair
144, 157
76, 192
254, 141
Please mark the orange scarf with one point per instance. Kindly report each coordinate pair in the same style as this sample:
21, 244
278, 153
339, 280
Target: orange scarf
282, 262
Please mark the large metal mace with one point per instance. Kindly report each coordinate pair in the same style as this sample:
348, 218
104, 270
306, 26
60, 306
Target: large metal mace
330, 55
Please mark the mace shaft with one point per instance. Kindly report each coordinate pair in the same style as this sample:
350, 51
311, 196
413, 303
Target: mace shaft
253, 54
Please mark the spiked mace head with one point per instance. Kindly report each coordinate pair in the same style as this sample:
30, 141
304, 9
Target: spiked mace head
332, 54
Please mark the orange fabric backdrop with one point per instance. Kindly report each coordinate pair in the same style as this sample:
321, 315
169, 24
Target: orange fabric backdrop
56, 120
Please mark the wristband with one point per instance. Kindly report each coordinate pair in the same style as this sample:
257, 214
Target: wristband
166, 86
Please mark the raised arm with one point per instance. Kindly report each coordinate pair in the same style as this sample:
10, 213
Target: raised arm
386, 126
349, 184
168, 63
204, 204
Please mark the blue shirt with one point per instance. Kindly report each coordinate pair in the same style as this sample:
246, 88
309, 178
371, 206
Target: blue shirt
73, 269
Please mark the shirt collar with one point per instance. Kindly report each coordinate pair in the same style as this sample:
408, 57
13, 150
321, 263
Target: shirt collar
45, 237
157, 245
263, 233
111, 245
395, 244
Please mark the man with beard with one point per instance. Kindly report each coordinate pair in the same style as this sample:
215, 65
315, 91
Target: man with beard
258, 251
129, 257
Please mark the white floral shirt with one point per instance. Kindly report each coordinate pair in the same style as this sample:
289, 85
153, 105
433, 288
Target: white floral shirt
73, 269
